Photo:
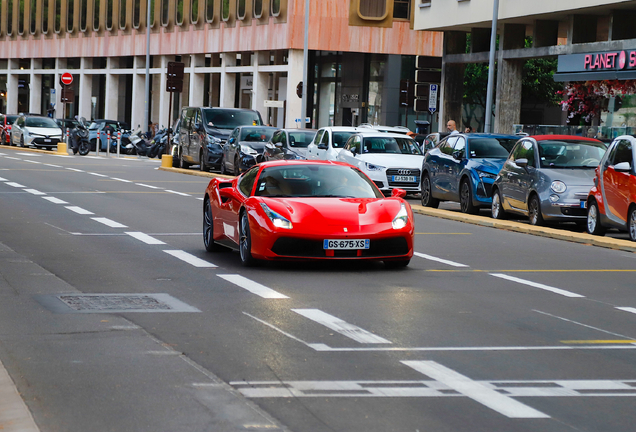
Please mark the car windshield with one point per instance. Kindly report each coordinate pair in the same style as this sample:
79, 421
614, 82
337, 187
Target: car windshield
230, 119
390, 145
570, 154
340, 138
495, 148
300, 139
256, 134
40, 122
11, 119
332, 181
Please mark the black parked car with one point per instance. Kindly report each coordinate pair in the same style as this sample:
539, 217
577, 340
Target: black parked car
245, 148
288, 144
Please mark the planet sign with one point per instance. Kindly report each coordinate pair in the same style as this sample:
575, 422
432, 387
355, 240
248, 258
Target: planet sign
67, 78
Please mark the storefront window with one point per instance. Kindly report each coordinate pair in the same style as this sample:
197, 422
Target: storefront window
376, 87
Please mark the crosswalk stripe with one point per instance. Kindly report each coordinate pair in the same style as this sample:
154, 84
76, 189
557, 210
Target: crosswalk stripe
538, 285
108, 222
440, 260
344, 328
145, 238
253, 287
79, 210
54, 200
190, 259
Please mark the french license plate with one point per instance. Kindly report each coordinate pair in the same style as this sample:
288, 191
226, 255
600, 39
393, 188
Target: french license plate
404, 179
583, 204
346, 244
47, 140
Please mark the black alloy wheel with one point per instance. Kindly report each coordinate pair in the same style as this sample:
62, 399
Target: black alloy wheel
594, 226
427, 193
631, 223
466, 198
208, 228
223, 167
202, 165
534, 211
497, 206
245, 242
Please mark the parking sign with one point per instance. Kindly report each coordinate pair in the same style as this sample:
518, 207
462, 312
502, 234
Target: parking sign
432, 98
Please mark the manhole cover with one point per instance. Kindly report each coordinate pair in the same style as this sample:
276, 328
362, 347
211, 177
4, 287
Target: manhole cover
114, 303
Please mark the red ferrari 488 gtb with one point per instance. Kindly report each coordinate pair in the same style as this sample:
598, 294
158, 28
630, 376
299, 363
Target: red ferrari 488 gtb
290, 210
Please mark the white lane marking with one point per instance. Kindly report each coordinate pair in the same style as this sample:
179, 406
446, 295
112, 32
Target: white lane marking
34, 192
79, 210
145, 238
3, 179
190, 259
108, 222
14, 414
147, 186
443, 261
121, 180
627, 309
178, 193
55, 200
12, 158
15, 185
200, 198
336, 324
75, 169
97, 174
475, 390
253, 287
54, 166
327, 348
584, 325
33, 162
537, 285
64, 156
28, 154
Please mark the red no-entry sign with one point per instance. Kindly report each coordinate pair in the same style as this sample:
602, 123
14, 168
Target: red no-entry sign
67, 78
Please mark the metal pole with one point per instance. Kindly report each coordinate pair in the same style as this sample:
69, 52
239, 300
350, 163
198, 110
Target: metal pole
303, 113
98, 143
118, 143
491, 67
148, 64
108, 144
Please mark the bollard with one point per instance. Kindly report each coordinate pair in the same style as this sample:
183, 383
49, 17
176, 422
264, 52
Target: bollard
98, 142
62, 146
118, 142
108, 144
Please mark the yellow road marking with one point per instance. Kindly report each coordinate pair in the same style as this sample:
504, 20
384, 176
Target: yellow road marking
598, 341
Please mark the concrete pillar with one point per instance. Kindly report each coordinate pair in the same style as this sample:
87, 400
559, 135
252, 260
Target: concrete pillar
85, 89
260, 86
452, 86
294, 76
12, 87
508, 102
197, 81
164, 96
391, 91
138, 112
60, 67
228, 81
112, 90
35, 88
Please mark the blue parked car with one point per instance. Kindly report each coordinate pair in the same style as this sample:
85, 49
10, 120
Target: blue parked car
463, 167
101, 127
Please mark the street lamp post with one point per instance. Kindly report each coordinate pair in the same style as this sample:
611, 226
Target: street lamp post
303, 112
491, 67
148, 63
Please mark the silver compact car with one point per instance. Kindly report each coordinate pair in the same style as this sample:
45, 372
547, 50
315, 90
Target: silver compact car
35, 131
547, 178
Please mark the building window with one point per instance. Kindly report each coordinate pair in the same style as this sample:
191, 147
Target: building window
165, 10
275, 7
96, 7
122, 14
258, 8
194, 14
179, 12
402, 9
152, 13
136, 13
20, 16
225, 10
9, 17
425, 3
32, 14
109, 14
372, 9
58, 15
83, 13
70, 15
209, 10
45, 16
240, 9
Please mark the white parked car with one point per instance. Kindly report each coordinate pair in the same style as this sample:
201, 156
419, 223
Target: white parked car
36, 131
390, 160
403, 130
328, 142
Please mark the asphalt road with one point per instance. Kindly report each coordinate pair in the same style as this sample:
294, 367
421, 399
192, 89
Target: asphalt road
113, 317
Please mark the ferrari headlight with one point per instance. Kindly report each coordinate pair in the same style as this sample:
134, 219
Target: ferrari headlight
401, 219
248, 150
372, 167
558, 186
278, 220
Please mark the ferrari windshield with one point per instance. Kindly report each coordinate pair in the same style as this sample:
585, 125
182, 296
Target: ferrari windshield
332, 181
570, 154
391, 145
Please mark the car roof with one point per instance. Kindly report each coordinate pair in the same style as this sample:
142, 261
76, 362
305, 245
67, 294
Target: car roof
297, 130
563, 137
342, 128
380, 134
491, 135
301, 162
395, 129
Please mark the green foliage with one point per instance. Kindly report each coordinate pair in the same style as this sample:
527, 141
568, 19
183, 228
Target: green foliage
538, 85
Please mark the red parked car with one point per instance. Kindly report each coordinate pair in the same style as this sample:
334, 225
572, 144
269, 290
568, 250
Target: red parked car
6, 120
612, 201
307, 210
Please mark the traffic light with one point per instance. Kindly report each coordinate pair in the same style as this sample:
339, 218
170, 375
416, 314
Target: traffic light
299, 89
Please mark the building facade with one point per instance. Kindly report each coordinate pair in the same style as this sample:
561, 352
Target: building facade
237, 53
564, 29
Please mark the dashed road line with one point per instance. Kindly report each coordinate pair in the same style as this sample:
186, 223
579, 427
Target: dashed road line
75, 169
108, 222
145, 238
79, 210
344, 328
627, 309
12, 158
97, 174
476, 391
3, 179
538, 285
15, 185
190, 259
52, 165
147, 186
121, 180
55, 200
178, 193
253, 287
33, 162
34, 192
440, 260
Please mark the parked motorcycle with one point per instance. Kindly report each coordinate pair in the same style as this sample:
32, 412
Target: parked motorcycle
79, 138
138, 144
158, 144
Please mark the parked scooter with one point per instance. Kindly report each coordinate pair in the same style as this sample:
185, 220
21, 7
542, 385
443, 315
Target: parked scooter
158, 144
79, 138
138, 144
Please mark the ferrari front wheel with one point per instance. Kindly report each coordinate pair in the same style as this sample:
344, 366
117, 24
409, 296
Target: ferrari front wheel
245, 242
208, 228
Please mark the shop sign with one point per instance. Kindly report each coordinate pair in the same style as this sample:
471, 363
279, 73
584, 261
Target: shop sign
598, 62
